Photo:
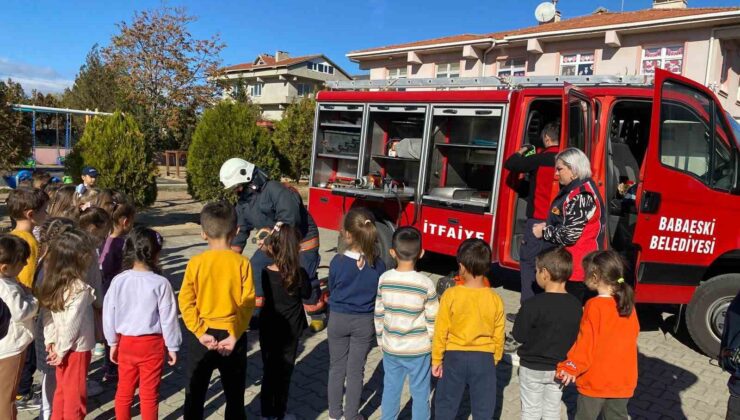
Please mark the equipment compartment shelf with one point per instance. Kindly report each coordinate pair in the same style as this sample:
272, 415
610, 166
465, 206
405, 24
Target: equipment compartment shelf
336, 156
375, 194
395, 158
466, 146
339, 125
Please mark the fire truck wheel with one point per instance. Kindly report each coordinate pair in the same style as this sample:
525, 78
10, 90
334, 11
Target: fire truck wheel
385, 242
705, 316
385, 236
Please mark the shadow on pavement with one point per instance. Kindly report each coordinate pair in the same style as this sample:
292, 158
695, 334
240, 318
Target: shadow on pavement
659, 386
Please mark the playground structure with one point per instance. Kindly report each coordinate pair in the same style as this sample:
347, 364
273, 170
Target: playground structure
53, 155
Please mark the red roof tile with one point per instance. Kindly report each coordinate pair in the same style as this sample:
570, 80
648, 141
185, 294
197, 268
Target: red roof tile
270, 62
581, 22
607, 18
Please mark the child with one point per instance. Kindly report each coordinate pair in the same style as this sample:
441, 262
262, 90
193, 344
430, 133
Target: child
405, 310
51, 228
97, 223
283, 320
546, 327
468, 337
21, 304
353, 285
62, 203
111, 258
89, 179
40, 179
140, 321
603, 360
216, 300
27, 206
69, 330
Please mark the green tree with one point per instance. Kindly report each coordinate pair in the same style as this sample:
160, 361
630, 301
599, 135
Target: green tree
117, 148
293, 137
167, 75
15, 133
225, 131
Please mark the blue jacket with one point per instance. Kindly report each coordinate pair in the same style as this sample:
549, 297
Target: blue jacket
353, 290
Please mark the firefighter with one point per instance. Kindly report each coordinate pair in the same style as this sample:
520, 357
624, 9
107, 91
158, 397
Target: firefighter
541, 168
262, 203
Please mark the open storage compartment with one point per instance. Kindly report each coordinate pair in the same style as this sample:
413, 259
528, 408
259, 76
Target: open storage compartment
337, 145
390, 161
463, 157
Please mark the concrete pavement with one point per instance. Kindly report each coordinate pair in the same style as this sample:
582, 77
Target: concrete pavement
675, 381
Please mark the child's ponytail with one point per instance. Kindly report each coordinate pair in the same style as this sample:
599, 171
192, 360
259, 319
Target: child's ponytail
143, 245
608, 267
360, 224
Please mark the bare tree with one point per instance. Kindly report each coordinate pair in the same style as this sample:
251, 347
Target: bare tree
166, 74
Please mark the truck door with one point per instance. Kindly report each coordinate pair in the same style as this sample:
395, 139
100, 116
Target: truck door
578, 123
687, 198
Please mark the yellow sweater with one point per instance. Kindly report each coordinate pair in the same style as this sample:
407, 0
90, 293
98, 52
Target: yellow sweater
29, 271
217, 292
469, 319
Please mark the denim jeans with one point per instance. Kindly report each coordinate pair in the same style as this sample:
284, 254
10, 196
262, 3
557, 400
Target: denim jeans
473, 369
540, 394
396, 369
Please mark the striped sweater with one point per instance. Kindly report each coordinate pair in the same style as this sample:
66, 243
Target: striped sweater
405, 311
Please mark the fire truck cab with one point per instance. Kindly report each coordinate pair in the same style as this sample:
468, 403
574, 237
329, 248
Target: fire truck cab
664, 155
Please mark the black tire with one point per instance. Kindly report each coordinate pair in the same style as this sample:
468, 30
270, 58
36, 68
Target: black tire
385, 237
705, 312
385, 242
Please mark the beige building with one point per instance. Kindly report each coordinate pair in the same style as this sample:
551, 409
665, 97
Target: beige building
700, 43
275, 81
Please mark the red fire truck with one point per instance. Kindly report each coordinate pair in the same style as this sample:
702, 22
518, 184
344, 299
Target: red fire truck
418, 153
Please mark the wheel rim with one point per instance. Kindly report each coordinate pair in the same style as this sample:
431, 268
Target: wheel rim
716, 315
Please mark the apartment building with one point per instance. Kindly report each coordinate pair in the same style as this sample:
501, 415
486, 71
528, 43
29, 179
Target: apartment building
275, 81
700, 43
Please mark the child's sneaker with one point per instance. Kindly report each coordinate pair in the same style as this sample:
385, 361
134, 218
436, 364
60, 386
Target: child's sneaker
511, 345
99, 350
27, 402
93, 388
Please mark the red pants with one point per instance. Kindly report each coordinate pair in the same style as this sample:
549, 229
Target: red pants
140, 359
70, 397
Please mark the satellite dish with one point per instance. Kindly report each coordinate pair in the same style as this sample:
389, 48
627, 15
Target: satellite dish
545, 12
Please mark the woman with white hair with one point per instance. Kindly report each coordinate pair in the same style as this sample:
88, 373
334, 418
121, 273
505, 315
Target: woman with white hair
577, 217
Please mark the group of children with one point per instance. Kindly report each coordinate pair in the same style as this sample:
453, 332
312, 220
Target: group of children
74, 274
459, 336
82, 272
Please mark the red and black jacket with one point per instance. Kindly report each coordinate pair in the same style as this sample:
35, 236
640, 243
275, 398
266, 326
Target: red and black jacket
577, 221
542, 184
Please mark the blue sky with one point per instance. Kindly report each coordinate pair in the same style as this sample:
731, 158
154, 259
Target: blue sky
44, 42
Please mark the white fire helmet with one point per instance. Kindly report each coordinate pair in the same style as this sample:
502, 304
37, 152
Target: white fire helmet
236, 171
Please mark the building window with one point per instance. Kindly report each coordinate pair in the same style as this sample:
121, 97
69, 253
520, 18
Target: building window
577, 64
448, 69
321, 68
512, 67
666, 58
398, 73
255, 90
304, 89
